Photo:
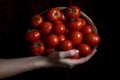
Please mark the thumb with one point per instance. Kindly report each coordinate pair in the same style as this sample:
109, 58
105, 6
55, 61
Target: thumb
64, 54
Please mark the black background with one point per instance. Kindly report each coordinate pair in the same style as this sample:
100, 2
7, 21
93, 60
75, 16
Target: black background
14, 21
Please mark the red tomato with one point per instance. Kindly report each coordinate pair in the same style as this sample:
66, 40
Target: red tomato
59, 28
49, 50
87, 29
46, 27
75, 23
76, 37
92, 39
84, 22
84, 49
57, 22
37, 47
73, 12
65, 45
36, 20
63, 17
33, 35
52, 40
62, 37
53, 14
77, 56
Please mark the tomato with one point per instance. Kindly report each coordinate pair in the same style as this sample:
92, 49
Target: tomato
75, 23
76, 37
84, 22
73, 11
93, 39
87, 29
36, 20
63, 17
59, 28
84, 49
33, 35
65, 45
57, 22
62, 37
52, 40
46, 27
49, 50
53, 14
37, 48
76, 56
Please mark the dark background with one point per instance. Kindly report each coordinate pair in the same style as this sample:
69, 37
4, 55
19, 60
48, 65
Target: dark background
14, 21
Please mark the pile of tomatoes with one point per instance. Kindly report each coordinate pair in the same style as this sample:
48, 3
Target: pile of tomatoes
61, 30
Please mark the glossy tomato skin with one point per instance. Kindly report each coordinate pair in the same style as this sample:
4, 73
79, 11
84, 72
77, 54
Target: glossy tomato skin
75, 23
46, 28
87, 29
76, 56
37, 48
62, 37
93, 39
52, 40
84, 49
33, 35
59, 28
63, 17
65, 45
53, 14
36, 20
76, 37
84, 21
73, 11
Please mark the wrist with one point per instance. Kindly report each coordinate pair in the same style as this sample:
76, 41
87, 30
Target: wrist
41, 62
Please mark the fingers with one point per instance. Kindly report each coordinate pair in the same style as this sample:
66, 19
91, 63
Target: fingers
64, 54
62, 58
58, 55
74, 62
71, 63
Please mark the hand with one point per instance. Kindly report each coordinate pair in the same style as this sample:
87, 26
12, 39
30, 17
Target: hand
73, 62
58, 58
11, 67
54, 59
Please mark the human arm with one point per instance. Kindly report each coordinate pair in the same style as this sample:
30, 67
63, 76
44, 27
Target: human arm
12, 67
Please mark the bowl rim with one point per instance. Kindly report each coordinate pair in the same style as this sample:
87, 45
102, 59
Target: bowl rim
90, 21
